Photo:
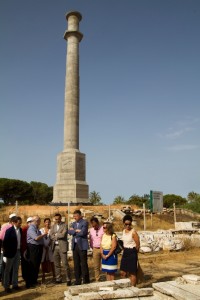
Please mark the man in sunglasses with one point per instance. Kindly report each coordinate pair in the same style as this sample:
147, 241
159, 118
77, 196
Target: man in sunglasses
96, 233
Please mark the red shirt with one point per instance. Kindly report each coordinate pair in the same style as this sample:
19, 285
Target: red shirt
24, 241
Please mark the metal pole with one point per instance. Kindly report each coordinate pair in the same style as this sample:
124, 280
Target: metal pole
16, 207
144, 216
174, 205
68, 215
109, 212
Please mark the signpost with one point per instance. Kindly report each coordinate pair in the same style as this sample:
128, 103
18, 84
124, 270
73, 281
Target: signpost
156, 201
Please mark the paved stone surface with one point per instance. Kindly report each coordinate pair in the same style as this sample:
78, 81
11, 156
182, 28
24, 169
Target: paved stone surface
178, 291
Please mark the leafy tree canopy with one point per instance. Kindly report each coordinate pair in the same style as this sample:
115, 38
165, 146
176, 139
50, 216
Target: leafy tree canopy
170, 199
12, 190
95, 198
119, 200
193, 202
137, 200
42, 193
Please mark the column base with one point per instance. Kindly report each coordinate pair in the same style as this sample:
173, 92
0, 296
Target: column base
70, 186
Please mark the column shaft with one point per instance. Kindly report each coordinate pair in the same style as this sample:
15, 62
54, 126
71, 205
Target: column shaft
71, 118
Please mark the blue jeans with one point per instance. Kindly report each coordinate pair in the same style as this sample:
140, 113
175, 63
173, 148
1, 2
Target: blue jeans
12, 263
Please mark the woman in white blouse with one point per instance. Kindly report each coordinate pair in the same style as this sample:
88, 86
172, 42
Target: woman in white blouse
131, 242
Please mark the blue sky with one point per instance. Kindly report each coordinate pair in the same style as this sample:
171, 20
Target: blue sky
139, 93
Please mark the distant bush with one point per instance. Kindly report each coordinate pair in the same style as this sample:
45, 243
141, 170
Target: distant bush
193, 206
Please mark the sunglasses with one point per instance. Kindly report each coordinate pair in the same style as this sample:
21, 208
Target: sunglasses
104, 227
97, 232
127, 224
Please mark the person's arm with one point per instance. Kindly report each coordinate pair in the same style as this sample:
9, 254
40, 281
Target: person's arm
113, 246
137, 240
71, 230
52, 234
39, 237
101, 251
62, 233
83, 232
5, 243
90, 239
34, 236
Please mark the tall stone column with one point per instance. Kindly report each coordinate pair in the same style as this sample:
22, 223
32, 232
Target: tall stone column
70, 182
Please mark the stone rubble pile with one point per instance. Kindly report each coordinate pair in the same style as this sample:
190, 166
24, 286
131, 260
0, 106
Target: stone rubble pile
165, 240
153, 241
117, 289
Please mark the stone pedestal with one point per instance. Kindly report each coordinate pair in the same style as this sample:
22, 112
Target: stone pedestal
70, 182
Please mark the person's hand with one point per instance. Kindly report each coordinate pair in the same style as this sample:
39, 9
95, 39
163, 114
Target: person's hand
71, 228
78, 230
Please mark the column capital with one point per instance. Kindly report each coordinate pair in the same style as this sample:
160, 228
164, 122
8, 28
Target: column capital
74, 13
69, 33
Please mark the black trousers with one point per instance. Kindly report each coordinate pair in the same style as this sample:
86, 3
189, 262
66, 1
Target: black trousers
80, 265
35, 256
25, 266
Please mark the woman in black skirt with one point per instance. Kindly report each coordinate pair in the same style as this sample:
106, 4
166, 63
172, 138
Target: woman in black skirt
131, 243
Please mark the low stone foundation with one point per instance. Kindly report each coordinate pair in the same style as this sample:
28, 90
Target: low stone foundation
186, 287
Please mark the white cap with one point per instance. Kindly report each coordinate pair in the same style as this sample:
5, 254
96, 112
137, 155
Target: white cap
12, 215
29, 219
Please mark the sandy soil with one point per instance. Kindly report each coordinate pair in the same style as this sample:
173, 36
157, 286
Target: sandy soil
161, 266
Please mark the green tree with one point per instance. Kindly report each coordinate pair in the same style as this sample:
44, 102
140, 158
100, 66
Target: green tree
14, 189
169, 199
193, 202
42, 193
192, 196
137, 200
95, 198
119, 200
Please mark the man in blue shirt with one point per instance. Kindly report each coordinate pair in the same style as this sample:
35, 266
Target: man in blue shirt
35, 247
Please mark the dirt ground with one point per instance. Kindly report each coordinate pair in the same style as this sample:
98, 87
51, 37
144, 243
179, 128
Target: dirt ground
160, 266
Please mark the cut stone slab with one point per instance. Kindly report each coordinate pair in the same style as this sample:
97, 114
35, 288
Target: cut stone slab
95, 287
161, 296
192, 278
117, 294
178, 291
106, 288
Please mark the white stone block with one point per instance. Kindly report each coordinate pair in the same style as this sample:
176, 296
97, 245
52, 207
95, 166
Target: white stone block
117, 294
192, 278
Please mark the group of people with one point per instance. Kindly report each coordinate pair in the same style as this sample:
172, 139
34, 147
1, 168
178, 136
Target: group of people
103, 241
34, 247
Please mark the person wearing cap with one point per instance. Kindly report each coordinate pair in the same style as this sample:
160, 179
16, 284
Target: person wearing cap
5, 226
12, 253
35, 246
24, 257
